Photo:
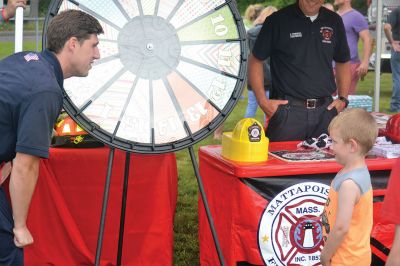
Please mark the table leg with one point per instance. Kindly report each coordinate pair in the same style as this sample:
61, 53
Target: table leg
123, 208
206, 206
104, 208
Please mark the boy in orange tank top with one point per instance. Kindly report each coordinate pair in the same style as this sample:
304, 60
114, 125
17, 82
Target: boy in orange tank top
347, 217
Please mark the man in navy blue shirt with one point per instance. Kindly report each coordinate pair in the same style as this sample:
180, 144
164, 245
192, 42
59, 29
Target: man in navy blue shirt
301, 41
30, 101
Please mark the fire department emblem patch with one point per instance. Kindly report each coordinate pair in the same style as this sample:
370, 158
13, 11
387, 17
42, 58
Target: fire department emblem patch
327, 33
290, 229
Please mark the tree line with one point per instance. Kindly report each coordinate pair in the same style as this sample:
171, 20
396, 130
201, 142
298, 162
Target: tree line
360, 5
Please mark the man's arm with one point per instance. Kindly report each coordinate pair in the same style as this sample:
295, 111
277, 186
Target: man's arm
394, 255
349, 194
343, 80
388, 32
365, 37
23, 180
256, 79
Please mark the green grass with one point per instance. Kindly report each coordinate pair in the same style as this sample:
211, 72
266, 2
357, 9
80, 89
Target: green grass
7, 48
27, 26
186, 248
366, 87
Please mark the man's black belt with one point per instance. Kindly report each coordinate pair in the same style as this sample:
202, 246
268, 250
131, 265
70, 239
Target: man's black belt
308, 103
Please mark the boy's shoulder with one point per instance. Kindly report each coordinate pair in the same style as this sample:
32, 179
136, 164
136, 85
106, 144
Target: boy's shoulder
360, 176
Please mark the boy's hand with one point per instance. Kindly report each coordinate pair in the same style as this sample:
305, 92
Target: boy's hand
324, 260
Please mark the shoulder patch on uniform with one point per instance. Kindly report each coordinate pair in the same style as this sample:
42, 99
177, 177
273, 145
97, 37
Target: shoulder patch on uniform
31, 56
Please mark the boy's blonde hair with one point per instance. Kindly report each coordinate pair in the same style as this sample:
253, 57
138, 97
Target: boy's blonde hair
253, 11
357, 124
329, 6
266, 12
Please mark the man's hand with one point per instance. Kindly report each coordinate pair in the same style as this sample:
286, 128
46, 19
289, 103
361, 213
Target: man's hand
22, 237
9, 10
396, 46
5, 172
338, 104
270, 106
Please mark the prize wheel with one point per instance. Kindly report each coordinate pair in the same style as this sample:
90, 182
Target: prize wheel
169, 73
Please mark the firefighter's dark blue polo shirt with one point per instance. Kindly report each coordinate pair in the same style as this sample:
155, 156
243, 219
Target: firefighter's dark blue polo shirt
302, 51
30, 101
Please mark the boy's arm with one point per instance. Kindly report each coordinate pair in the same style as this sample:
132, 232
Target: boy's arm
349, 194
394, 255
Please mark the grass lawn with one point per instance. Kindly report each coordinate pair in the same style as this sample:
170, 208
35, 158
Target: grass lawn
186, 250
7, 48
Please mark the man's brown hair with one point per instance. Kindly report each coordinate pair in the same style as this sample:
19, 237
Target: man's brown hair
71, 23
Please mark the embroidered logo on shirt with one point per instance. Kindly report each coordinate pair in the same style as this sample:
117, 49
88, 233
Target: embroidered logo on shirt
31, 56
326, 33
295, 35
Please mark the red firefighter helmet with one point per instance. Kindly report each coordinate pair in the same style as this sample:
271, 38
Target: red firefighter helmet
68, 127
70, 134
393, 128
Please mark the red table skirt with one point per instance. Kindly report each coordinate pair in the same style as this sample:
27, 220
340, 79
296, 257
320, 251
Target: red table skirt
65, 210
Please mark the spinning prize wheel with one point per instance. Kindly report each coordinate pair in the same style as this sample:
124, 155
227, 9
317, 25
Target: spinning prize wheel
169, 74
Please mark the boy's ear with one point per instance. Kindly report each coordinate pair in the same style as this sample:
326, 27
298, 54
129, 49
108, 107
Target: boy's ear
354, 146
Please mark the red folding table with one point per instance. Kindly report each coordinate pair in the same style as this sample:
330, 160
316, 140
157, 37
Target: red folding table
239, 195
